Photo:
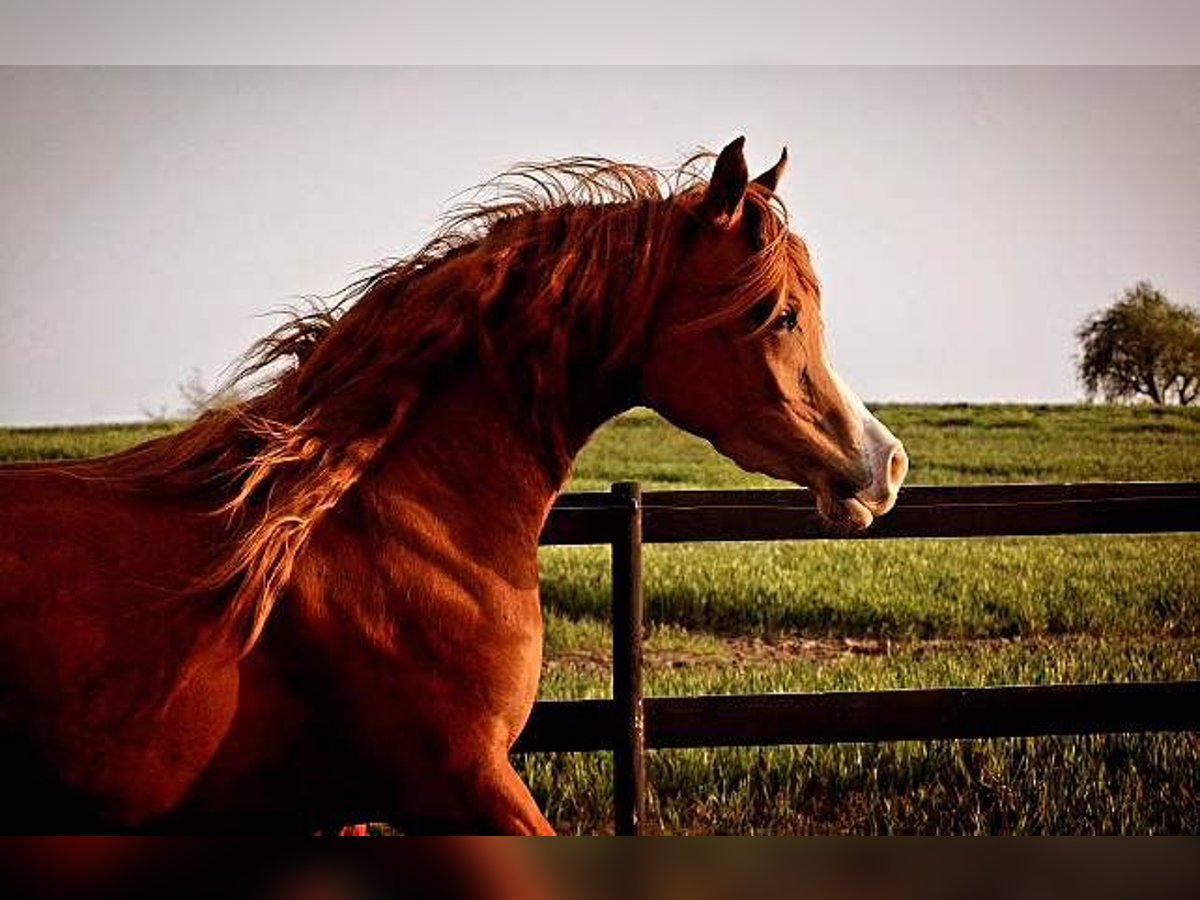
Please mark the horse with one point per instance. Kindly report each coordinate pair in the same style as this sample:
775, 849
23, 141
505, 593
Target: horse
319, 602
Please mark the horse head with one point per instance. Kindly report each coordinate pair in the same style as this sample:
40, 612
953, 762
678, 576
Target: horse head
737, 354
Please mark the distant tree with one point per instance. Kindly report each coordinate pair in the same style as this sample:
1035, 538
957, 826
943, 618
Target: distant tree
198, 397
1143, 346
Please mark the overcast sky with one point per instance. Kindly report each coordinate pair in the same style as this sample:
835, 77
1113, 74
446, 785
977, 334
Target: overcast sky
963, 221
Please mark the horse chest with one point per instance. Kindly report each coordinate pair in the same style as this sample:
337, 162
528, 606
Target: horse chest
440, 655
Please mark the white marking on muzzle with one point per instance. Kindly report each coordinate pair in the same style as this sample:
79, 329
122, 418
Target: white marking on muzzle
882, 452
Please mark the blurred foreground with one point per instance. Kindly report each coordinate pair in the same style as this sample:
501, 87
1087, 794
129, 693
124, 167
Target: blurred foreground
482, 869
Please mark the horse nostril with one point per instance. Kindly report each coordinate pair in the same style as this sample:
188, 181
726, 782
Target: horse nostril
897, 467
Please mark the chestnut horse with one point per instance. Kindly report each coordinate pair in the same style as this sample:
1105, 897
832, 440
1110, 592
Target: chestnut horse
321, 600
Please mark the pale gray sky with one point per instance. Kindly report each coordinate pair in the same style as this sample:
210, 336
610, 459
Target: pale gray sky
963, 221
539, 32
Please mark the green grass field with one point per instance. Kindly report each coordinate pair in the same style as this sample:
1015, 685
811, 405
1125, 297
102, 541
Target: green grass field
828, 615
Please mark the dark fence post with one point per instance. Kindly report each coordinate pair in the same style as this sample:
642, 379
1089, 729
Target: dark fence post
629, 753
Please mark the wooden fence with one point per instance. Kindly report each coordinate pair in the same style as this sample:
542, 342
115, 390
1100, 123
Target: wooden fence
630, 723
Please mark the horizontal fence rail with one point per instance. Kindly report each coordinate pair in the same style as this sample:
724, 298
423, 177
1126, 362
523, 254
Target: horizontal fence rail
744, 720
991, 510
629, 724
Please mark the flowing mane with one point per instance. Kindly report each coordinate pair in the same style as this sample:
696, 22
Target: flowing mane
549, 269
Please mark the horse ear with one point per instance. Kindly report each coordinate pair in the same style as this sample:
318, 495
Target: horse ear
770, 178
723, 197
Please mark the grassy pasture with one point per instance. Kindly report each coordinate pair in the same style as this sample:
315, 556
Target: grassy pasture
825, 615
947, 444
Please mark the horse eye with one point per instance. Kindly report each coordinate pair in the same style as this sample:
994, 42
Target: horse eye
788, 321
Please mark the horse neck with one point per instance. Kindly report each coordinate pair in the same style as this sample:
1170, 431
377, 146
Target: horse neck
479, 466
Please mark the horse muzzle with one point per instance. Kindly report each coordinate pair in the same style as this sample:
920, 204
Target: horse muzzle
889, 467
854, 512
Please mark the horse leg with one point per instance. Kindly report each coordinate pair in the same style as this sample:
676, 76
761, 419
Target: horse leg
485, 797
497, 801
517, 808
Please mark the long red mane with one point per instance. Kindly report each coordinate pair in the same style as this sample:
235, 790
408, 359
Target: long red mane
550, 268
